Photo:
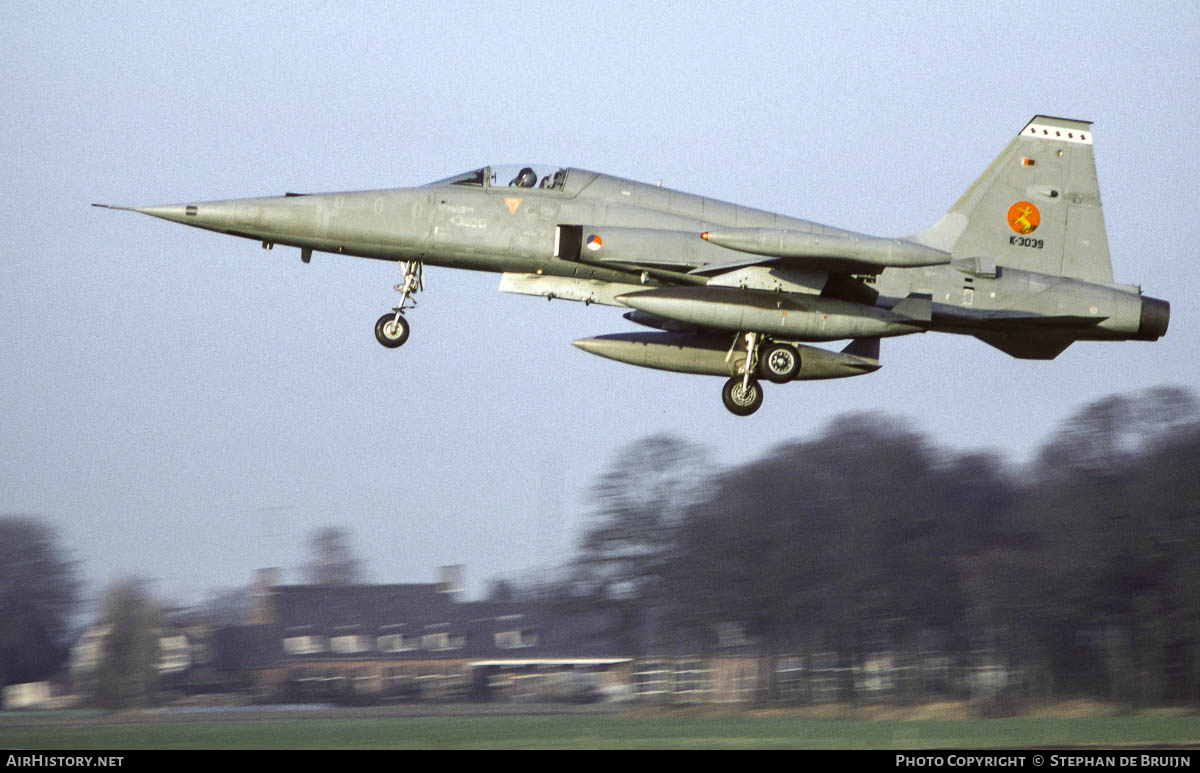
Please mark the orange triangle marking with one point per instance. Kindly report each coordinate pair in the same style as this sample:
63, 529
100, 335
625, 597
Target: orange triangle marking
512, 205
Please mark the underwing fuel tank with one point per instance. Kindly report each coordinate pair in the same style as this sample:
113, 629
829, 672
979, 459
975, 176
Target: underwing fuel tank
709, 355
793, 317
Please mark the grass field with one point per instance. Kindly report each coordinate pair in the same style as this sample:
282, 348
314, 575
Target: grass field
607, 731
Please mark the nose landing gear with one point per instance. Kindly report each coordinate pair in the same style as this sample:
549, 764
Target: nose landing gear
392, 328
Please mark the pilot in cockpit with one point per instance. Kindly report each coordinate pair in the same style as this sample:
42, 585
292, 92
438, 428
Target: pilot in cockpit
526, 178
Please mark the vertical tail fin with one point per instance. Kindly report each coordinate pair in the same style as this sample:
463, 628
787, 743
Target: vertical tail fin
1037, 207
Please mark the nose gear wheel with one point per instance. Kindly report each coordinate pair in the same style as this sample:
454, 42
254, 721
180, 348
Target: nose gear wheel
391, 330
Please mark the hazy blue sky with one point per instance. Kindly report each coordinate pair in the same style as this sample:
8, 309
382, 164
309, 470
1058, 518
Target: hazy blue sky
187, 407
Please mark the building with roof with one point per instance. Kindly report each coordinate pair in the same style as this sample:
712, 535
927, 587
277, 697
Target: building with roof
420, 642
417, 641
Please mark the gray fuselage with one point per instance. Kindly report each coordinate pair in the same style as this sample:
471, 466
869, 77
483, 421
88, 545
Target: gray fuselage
502, 228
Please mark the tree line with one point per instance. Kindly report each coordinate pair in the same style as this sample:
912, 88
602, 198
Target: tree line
1079, 571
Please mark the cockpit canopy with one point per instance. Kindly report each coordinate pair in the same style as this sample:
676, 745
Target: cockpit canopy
541, 176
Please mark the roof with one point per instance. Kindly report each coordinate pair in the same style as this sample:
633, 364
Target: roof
328, 610
493, 630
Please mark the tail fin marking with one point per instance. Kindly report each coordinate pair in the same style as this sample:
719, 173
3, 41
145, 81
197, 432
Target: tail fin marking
1037, 207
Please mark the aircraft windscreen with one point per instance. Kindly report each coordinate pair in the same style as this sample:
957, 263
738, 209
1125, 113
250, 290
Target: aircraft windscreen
475, 177
528, 176
541, 176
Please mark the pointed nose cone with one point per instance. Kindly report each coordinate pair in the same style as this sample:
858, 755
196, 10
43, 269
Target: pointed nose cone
176, 213
207, 215
211, 214
270, 218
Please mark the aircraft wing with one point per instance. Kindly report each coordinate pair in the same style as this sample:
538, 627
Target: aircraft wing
586, 291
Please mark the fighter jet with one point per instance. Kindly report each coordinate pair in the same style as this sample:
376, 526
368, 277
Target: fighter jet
1020, 262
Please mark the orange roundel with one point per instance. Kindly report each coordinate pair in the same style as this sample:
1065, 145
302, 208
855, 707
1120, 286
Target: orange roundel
1023, 217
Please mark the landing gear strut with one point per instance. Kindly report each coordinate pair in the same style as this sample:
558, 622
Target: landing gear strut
392, 328
742, 394
772, 360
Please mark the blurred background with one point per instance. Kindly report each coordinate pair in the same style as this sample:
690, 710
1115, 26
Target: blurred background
865, 564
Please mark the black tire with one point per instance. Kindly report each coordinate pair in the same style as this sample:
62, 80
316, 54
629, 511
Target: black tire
779, 363
742, 401
391, 331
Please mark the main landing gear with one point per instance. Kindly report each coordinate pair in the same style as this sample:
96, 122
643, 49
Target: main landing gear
392, 328
772, 360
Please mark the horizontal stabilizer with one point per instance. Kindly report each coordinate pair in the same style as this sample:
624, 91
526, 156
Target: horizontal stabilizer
1025, 347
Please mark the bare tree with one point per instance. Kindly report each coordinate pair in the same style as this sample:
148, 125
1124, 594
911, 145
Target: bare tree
127, 674
38, 593
640, 503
